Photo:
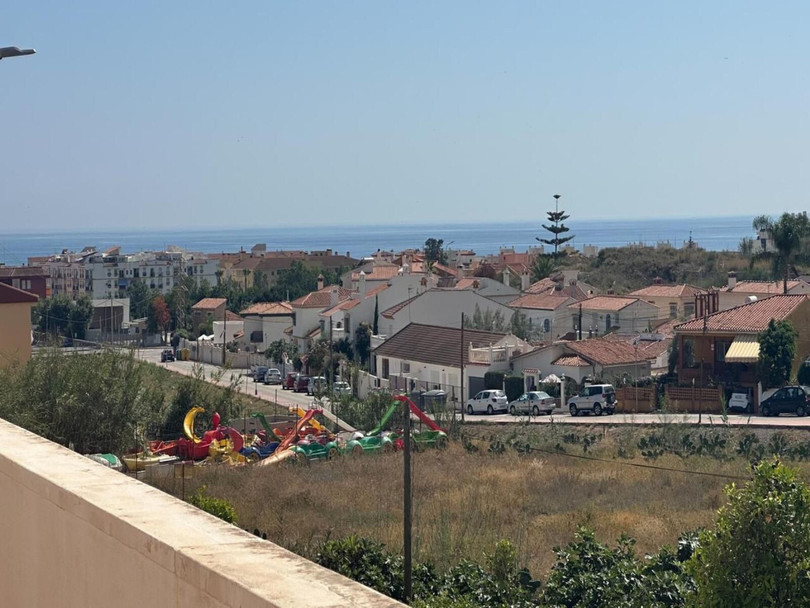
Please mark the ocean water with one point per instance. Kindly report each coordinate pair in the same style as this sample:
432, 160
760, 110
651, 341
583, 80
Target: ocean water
717, 234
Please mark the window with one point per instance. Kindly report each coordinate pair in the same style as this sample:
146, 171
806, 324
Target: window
720, 349
673, 309
385, 366
688, 354
689, 309
607, 323
406, 368
546, 326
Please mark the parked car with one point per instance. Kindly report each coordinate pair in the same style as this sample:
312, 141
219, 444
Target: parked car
289, 381
739, 402
301, 384
316, 384
272, 376
790, 399
489, 401
341, 388
166, 355
534, 403
596, 398
259, 372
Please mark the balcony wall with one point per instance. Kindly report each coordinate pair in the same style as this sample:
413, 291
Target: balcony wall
77, 534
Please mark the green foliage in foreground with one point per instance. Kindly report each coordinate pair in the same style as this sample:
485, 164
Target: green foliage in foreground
217, 507
757, 556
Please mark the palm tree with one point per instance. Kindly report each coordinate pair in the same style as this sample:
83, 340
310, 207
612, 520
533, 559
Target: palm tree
542, 267
787, 234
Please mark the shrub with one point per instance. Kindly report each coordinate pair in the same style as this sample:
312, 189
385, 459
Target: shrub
494, 380
217, 507
513, 386
759, 552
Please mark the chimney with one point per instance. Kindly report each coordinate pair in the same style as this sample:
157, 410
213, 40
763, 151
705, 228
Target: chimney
506, 276
333, 296
525, 280
658, 281
732, 280
320, 282
362, 285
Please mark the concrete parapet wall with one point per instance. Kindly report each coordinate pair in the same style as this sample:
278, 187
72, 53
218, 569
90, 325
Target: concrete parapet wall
77, 534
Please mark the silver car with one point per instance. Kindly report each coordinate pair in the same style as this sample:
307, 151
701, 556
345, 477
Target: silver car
489, 401
534, 403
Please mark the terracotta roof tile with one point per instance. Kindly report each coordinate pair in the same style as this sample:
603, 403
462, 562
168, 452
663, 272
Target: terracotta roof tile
605, 303
434, 345
378, 273
374, 291
606, 352
540, 301
232, 316
752, 317
390, 312
571, 361
22, 271
760, 287
344, 305
321, 298
12, 295
541, 286
209, 304
268, 308
666, 291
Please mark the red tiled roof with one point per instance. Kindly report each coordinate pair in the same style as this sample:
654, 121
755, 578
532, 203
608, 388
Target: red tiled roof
12, 295
434, 345
651, 349
320, 299
382, 272
606, 352
666, 291
376, 290
605, 303
540, 301
344, 305
760, 287
268, 308
232, 316
752, 317
467, 283
390, 312
209, 304
571, 361
543, 285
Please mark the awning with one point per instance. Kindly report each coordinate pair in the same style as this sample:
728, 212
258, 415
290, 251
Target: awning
744, 349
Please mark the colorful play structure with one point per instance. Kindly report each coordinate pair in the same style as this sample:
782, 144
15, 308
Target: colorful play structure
304, 440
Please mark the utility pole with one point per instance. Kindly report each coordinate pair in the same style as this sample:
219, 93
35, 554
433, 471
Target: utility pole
407, 505
224, 330
461, 366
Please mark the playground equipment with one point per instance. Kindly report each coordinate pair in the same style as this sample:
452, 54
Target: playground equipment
282, 451
435, 437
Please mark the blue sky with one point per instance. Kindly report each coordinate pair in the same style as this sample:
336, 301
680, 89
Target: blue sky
199, 114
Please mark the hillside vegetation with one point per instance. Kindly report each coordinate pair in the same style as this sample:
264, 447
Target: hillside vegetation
625, 269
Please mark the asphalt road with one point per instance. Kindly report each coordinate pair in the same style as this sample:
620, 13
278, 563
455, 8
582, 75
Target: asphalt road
559, 416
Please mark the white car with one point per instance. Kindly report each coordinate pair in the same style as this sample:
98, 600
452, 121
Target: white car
739, 401
533, 402
272, 376
489, 401
342, 388
596, 398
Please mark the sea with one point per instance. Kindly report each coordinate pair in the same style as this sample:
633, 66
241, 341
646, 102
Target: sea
716, 234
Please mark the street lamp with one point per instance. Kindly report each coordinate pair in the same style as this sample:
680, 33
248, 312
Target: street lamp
14, 51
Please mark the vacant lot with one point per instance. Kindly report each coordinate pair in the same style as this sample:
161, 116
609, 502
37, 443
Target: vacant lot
479, 491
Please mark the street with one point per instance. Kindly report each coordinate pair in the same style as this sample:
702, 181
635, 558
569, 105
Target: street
288, 398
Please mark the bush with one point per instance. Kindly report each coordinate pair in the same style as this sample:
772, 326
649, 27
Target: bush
759, 552
514, 387
217, 507
494, 380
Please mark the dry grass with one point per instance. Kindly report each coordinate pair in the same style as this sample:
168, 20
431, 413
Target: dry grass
465, 502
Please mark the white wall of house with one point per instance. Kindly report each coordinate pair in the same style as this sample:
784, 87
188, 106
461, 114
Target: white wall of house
633, 318
442, 307
548, 324
271, 328
446, 378
232, 327
542, 359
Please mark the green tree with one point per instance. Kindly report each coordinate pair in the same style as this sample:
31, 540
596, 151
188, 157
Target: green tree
279, 351
434, 251
486, 321
542, 267
777, 349
787, 234
81, 312
362, 342
140, 296
521, 326
758, 554
375, 330
556, 227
